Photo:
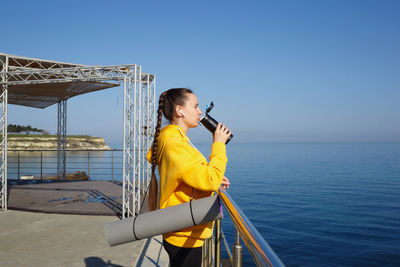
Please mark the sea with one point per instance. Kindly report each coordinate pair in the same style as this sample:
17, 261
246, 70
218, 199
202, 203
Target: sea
315, 204
320, 204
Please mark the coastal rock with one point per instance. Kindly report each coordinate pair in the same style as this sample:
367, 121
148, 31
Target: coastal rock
49, 142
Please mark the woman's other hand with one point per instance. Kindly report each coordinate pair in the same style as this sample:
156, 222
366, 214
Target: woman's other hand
225, 183
221, 134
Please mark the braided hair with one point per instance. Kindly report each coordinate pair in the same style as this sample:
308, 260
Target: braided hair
167, 102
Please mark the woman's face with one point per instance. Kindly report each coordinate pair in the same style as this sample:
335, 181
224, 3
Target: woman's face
191, 111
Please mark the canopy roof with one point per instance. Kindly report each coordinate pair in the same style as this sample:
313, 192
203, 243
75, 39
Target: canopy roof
46, 94
40, 83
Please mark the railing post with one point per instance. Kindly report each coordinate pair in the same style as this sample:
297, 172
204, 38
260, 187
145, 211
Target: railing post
18, 165
88, 164
41, 165
237, 251
210, 251
217, 245
205, 253
112, 165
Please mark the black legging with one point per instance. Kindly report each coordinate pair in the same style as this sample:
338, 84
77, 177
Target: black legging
182, 257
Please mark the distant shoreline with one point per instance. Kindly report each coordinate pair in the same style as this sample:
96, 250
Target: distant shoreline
49, 142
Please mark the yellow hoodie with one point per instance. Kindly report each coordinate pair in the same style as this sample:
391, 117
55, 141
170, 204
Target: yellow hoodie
184, 172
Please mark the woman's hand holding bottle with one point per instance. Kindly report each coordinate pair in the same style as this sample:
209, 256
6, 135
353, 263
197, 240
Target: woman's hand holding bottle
221, 134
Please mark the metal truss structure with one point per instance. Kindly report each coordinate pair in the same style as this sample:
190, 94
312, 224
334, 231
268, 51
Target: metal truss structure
139, 125
41, 83
3, 142
61, 139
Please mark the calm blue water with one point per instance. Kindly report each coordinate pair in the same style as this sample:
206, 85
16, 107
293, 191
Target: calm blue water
320, 204
315, 204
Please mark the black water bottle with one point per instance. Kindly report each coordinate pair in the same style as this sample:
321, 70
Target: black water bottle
210, 123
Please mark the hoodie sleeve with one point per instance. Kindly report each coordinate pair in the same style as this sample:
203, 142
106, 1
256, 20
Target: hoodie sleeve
190, 167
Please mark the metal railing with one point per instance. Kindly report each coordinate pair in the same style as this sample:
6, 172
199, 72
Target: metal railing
40, 164
261, 252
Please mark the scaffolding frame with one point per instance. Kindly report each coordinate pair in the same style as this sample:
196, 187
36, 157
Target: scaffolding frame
138, 117
61, 139
139, 125
3, 133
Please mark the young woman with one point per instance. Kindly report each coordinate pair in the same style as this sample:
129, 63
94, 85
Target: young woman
184, 172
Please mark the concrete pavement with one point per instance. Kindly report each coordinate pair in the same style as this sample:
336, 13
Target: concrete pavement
39, 239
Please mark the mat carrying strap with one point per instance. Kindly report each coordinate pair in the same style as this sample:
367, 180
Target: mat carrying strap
191, 210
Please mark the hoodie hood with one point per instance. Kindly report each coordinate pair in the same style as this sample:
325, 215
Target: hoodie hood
166, 133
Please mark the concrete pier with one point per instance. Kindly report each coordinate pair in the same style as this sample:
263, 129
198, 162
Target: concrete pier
38, 239
62, 224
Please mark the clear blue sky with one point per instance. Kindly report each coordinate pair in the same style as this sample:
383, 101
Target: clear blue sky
277, 71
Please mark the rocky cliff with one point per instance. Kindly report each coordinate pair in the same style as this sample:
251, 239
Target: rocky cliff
79, 142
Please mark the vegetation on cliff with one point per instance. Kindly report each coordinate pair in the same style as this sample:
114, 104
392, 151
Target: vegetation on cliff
14, 128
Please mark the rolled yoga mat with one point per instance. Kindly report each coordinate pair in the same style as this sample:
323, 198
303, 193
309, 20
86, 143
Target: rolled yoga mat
163, 221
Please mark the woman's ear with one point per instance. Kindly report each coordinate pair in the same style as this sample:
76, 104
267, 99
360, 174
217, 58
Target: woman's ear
178, 111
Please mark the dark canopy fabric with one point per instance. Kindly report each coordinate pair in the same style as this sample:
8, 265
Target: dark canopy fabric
37, 92
42, 95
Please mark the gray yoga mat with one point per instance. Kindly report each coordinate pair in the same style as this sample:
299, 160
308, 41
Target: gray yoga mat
163, 221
